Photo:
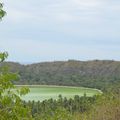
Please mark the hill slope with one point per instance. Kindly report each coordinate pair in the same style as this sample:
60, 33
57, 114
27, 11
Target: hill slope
97, 74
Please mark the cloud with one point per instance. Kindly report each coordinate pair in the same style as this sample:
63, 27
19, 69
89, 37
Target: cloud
61, 29
59, 11
44, 10
86, 3
18, 16
29, 50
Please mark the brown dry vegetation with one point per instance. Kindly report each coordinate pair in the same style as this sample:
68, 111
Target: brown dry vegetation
106, 108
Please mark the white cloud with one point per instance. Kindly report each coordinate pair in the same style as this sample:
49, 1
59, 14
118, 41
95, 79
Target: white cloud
39, 50
59, 11
15, 15
86, 3
60, 20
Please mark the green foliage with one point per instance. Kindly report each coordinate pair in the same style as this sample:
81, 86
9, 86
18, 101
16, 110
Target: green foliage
2, 12
100, 107
3, 56
93, 74
62, 108
11, 105
58, 114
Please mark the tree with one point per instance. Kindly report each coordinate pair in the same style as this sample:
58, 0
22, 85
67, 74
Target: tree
11, 105
2, 12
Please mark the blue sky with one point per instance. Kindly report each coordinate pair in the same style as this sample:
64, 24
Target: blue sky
48, 30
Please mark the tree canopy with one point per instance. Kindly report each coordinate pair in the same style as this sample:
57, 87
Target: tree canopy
11, 105
2, 12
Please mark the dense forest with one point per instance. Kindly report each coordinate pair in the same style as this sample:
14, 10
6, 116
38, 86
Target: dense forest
95, 74
105, 106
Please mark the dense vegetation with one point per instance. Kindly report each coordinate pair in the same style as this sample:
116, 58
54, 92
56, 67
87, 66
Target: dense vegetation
11, 105
105, 107
101, 107
95, 74
66, 107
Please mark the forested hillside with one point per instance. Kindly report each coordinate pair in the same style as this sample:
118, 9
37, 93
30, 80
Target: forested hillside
97, 74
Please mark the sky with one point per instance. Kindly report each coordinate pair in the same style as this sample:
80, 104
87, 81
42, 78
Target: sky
55, 30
